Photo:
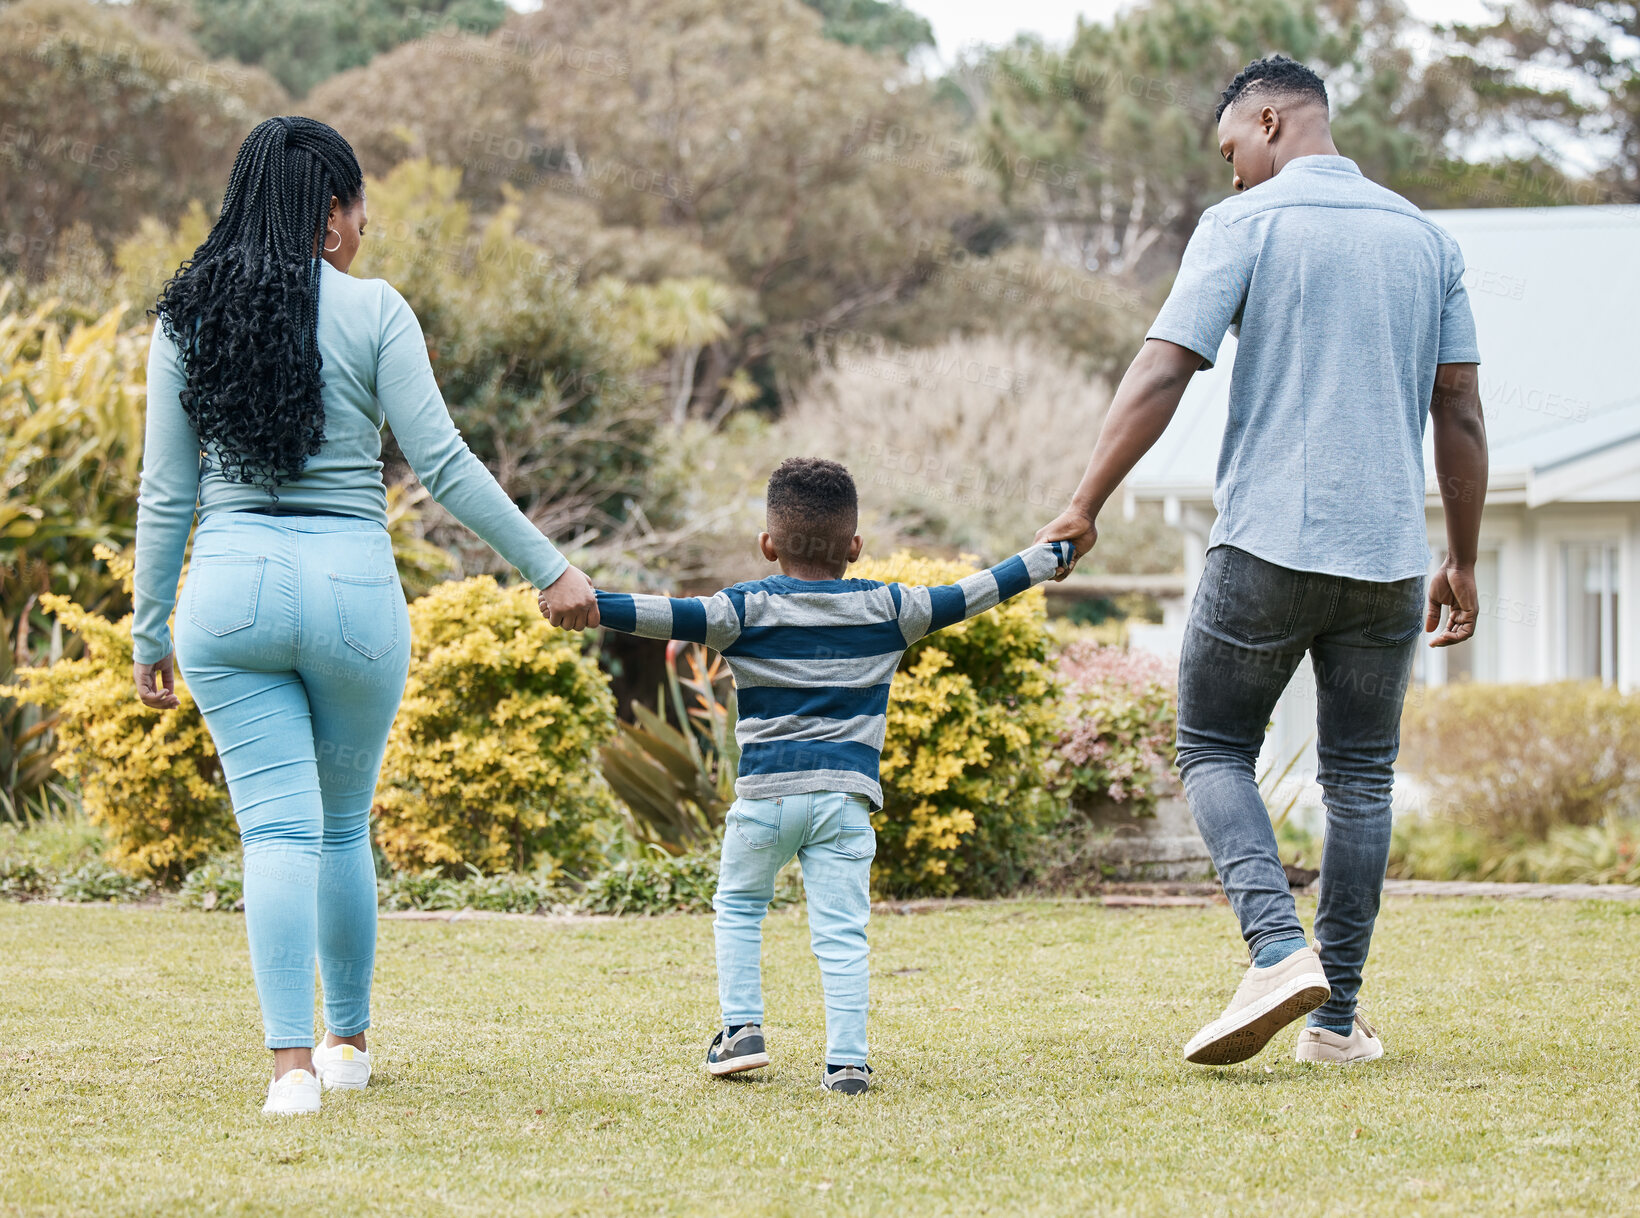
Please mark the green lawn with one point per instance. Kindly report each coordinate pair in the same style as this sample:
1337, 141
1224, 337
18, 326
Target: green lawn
1027, 1056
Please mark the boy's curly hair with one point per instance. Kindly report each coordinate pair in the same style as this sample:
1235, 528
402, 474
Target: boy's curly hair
813, 507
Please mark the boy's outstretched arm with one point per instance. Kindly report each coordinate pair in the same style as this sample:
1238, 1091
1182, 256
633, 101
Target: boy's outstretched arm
712, 620
925, 610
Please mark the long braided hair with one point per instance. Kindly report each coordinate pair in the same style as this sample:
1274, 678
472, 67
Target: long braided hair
244, 310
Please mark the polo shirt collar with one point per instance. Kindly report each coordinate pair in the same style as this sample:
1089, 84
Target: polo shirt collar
1321, 160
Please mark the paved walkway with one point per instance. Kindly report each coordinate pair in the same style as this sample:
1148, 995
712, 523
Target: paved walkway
1149, 896
1517, 892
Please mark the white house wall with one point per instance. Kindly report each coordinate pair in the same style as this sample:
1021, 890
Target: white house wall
1529, 611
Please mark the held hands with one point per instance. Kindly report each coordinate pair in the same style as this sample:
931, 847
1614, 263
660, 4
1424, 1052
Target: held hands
157, 683
1454, 587
1072, 525
569, 602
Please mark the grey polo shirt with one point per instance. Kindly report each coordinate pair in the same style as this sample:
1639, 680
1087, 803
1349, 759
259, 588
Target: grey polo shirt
1344, 299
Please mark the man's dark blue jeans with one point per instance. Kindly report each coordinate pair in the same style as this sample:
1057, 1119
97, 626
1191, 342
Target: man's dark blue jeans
1250, 625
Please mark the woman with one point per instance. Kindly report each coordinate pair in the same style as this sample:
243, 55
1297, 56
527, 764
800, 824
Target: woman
270, 376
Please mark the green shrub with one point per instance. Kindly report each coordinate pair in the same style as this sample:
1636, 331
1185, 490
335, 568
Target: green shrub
216, 885
149, 779
661, 884
98, 882
1437, 849
1116, 742
970, 724
22, 880
492, 761
1522, 759
507, 893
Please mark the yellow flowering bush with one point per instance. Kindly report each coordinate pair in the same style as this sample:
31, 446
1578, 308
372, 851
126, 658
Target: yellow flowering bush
150, 779
971, 721
493, 759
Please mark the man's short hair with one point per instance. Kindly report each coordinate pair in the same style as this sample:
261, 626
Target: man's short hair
1276, 75
813, 509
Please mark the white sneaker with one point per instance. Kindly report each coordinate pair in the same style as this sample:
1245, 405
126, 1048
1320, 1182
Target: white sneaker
295, 1093
1329, 1048
341, 1066
1267, 1000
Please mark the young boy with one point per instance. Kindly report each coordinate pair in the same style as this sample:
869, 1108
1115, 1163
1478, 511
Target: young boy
812, 656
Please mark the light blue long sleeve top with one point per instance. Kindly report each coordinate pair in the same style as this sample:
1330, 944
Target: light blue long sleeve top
376, 371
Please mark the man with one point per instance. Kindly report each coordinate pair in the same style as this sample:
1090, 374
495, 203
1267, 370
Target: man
1353, 326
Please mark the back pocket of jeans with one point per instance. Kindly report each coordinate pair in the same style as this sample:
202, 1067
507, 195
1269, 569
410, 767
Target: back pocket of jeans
756, 822
370, 607
856, 839
223, 591
1255, 601
1398, 612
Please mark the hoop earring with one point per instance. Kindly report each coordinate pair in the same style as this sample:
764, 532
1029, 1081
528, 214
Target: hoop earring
331, 249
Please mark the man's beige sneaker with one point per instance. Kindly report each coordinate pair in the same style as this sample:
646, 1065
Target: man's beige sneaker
1320, 1045
1267, 1000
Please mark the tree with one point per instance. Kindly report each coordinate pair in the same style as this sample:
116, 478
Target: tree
876, 25
806, 173
103, 124
302, 42
1560, 72
1108, 148
544, 386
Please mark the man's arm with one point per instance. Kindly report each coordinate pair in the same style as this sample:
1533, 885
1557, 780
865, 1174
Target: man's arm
1144, 405
925, 610
1460, 471
712, 620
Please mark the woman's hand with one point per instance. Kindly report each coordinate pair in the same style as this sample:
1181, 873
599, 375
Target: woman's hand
156, 684
569, 601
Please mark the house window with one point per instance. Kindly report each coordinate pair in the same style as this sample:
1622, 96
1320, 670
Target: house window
1477, 659
1591, 640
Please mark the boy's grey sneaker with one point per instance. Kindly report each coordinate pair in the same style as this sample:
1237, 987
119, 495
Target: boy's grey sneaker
743, 1050
850, 1080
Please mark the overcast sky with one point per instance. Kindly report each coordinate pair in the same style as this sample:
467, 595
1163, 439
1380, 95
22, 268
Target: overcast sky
958, 23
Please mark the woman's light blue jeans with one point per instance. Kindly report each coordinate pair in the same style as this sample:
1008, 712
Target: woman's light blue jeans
830, 834
294, 638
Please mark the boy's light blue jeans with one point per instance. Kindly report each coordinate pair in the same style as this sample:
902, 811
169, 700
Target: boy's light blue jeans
831, 836
294, 638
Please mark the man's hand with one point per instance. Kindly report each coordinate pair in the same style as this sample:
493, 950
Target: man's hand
569, 602
1072, 525
1454, 587
156, 684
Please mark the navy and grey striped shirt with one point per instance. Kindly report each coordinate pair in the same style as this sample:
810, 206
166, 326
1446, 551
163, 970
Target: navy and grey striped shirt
812, 661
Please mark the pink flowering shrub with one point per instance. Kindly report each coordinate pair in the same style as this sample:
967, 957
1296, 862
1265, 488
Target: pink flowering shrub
1115, 744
